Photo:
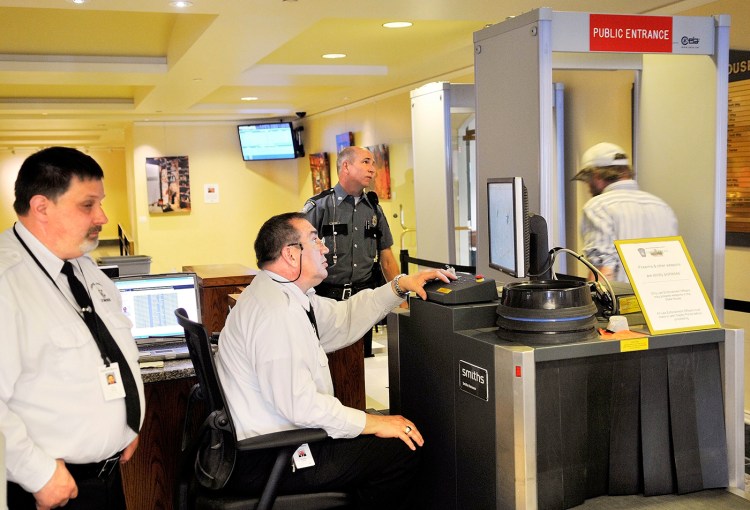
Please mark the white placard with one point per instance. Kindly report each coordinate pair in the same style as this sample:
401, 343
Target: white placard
211, 193
667, 285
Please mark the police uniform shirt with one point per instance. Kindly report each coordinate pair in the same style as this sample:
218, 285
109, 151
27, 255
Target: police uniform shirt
51, 400
361, 229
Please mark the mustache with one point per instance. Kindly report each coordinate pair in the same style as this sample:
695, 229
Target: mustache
95, 230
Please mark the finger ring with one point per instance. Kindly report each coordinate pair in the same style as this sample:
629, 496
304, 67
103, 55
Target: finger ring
407, 429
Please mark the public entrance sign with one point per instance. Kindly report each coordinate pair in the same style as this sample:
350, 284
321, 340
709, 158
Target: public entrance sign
643, 34
632, 33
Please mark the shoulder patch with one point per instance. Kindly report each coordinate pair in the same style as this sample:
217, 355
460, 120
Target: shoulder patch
309, 206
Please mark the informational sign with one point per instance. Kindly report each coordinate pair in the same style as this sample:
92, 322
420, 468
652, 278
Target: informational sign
667, 286
211, 193
738, 149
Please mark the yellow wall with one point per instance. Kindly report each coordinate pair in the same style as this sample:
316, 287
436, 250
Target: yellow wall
115, 189
251, 192
597, 109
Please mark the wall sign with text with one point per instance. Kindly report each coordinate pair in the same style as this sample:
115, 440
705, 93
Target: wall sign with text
668, 288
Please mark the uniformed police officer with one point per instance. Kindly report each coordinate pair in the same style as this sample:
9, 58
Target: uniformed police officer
355, 231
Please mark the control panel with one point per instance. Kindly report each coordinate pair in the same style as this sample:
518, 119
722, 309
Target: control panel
467, 288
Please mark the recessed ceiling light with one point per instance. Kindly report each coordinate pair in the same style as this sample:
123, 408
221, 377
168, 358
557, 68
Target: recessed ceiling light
181, 4
334, 55
249, 98
397, 24
77, 1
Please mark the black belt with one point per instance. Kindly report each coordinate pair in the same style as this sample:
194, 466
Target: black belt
343, 292
102, 469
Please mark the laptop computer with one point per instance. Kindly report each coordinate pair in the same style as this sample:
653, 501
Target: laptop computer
149, 301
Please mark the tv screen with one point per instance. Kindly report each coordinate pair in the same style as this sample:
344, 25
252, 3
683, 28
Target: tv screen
267, 141
507, 205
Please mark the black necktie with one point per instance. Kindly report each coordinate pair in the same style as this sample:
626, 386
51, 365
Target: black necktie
108, 348
311, 316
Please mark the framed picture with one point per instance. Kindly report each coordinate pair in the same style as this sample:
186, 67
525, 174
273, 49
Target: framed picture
320, 171
382, 181
344, 140
168, 185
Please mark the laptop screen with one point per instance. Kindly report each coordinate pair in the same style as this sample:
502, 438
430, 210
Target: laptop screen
149, 301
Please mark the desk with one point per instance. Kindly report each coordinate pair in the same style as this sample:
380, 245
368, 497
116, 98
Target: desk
215, 283
149, 477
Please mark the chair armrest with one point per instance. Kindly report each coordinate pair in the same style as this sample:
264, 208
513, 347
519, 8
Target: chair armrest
284, 438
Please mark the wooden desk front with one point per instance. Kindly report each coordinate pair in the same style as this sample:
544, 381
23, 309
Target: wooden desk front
216, 282
149, 478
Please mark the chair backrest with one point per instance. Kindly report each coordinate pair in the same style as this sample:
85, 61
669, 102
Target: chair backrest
216, 452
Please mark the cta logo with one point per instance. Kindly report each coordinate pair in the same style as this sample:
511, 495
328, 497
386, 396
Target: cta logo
690, 41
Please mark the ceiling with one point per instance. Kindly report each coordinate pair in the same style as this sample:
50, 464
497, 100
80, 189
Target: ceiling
80, 74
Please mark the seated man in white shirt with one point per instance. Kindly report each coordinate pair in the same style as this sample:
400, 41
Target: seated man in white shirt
273, 367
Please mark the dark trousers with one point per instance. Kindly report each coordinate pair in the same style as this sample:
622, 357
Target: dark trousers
93, 494
381, 472
339, 293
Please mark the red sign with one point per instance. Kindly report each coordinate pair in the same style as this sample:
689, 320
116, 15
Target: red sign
624, 33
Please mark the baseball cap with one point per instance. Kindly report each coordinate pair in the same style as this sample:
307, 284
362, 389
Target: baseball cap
601, 155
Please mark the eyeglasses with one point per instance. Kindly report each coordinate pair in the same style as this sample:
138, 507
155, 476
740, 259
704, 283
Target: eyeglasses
318, 242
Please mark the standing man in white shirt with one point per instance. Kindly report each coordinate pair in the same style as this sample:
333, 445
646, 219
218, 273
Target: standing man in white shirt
62, 335
273, 367
618, 209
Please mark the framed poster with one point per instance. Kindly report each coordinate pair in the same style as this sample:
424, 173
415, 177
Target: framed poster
667, 286
320, 171
344, 140
168, 185
382, 182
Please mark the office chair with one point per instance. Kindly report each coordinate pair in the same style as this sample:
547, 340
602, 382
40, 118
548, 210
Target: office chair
208, 456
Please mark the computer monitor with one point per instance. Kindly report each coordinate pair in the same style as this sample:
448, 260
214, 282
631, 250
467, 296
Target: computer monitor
517, 239
508, 209
149, 301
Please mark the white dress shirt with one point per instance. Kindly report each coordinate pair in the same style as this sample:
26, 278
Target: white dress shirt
622, 211
51, 399
272, 367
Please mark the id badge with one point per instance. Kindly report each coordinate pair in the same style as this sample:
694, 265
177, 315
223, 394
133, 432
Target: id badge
111, 382
303, 457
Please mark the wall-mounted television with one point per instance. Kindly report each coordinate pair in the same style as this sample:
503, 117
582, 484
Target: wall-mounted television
269, 141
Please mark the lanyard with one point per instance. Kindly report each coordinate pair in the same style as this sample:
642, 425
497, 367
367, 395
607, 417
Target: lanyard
79, 311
